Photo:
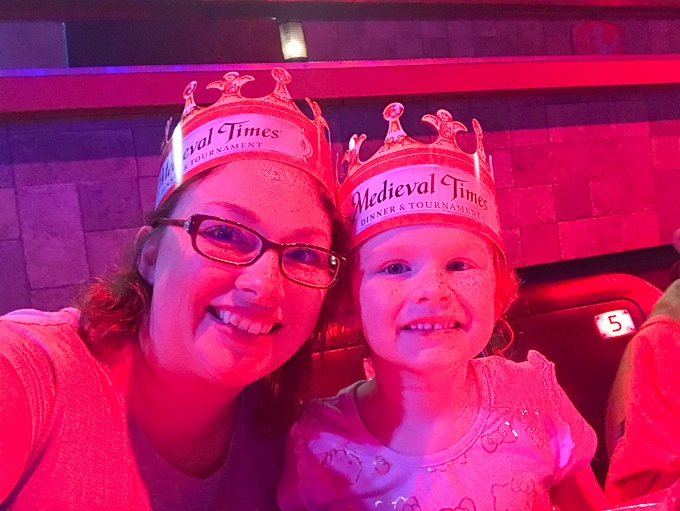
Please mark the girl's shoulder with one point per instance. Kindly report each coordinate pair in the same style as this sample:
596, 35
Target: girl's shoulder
530, 380
333, 417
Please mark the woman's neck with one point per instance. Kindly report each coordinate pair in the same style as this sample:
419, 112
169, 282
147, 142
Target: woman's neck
415, 413
189, 422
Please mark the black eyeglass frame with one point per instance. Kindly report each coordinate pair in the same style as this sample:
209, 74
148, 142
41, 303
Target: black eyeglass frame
191, 225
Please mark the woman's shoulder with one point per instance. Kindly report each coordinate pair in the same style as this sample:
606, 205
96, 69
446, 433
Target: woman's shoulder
33, 319
31, 339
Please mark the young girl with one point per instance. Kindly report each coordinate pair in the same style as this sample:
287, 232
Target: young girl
437, 428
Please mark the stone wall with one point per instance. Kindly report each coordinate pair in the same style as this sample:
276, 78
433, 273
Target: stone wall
578, 174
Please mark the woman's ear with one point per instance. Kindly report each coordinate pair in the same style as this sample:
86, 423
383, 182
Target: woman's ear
149, 253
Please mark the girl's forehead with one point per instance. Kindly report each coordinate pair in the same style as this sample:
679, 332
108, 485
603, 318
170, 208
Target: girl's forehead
425, 238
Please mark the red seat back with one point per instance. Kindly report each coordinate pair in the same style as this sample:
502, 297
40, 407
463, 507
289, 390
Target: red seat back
558, 319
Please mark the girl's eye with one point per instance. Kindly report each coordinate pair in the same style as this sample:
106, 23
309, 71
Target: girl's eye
457, 266
395, 269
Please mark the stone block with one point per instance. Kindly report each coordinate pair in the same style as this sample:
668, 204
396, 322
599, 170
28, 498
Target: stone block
9, 220
522, 137
436, 48
13, 280
621, 176
6, 171
108, 249
147, 144
147, 193
432, 29
666, 152
631, 118
390, 29
664, 127
65, 157
53, 299
460, 38
350, 30
540, 244
549, 163
502, 168
568, 122
405, 49
668, 206
597, 38
512, 246
110, 204
319, 34
519, 207
484, 28
497, 140
642, 230
592, 236
52, 234
572, 201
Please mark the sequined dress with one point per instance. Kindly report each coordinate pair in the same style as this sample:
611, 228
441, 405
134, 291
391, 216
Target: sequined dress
526, 437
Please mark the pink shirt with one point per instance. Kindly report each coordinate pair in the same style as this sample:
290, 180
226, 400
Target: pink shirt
87, 454
526, 437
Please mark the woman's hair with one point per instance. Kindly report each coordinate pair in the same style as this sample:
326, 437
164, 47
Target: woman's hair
114, 308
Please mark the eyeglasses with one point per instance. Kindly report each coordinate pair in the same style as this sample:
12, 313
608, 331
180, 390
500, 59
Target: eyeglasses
234, 243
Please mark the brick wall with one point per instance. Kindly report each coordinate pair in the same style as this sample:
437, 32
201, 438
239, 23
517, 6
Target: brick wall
578, 174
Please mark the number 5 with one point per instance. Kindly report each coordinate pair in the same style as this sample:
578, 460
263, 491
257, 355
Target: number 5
611, 321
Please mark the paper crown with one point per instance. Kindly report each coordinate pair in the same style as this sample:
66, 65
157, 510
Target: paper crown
236, 127
407, 182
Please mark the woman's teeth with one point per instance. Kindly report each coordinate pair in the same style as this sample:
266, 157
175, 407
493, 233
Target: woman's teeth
432, 326
241, 323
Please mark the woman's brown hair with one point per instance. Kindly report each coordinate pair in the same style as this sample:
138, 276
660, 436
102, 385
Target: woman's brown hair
114, 308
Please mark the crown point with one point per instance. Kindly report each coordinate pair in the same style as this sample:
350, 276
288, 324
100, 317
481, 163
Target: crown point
393, 111
189, 104
281, 75
189, 89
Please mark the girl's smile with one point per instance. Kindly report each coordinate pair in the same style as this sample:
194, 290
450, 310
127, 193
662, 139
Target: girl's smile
425, 295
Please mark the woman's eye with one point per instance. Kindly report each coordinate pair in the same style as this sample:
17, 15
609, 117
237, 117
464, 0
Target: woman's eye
457, 266
303, 255
395, 269
222, 233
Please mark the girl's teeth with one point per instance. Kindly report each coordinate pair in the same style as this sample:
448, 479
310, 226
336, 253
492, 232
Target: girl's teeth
432, 326
255, 328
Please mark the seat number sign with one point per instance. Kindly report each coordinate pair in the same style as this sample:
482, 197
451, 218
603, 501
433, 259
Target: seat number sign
615, 324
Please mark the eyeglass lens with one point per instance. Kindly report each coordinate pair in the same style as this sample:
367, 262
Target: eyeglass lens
233, 244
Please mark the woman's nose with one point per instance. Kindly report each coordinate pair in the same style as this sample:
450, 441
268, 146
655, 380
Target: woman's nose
262, 281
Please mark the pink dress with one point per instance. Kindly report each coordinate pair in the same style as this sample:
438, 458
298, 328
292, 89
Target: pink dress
526, 437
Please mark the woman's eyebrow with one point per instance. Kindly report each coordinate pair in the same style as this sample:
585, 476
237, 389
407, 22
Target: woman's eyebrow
309, 232
242, 212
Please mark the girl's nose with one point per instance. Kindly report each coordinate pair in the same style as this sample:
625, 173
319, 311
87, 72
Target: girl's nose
432, 286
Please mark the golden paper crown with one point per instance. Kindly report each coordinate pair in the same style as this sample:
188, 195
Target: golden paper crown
407, 182
237, 127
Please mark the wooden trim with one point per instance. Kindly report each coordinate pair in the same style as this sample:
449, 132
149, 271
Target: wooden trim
26, 91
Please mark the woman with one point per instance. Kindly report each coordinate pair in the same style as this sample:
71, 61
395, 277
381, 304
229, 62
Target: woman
167, 387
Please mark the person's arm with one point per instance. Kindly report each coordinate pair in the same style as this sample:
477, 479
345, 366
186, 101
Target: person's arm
15, 428
579, 492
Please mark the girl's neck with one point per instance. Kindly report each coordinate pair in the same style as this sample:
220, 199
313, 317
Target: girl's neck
189, 422
415, 413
